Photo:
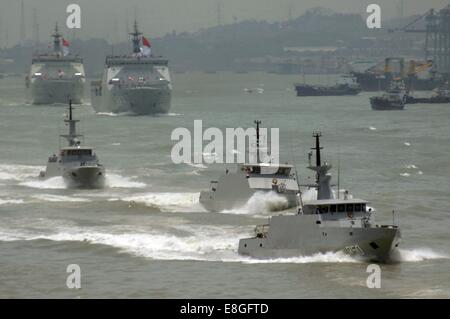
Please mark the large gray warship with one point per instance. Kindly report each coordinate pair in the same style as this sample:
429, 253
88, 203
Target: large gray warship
78, 165
234, 189
138, 83
56, 77
326, 224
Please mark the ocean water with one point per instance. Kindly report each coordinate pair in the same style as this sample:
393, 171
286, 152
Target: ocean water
146, 236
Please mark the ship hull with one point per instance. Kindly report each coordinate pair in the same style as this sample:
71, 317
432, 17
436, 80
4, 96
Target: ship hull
57, 91
302, 236
85, 177
139, 100
370, 82
379, 104
431, 100
308, 90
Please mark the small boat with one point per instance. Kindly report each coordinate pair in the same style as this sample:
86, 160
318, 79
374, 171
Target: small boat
78, 165
329, 223
393, 99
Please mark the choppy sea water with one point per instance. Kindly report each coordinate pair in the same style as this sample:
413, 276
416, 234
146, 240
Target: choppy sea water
146, 236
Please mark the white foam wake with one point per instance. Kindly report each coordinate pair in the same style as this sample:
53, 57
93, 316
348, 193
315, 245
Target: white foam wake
418, 254
58, 198
203, 243
118, 181
168, 202
51, 183
9, 201
260, 203
18, 172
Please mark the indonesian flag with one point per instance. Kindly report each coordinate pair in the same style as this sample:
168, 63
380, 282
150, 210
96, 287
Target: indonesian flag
65, 47
147, 47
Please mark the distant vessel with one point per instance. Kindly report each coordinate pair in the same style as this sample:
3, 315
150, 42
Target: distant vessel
420, 74
326, 224
78, 165
440, 95
346, 85
234, 189
56, 77
393, 99
139, 83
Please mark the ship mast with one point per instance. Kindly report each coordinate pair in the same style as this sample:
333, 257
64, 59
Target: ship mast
258, 160
136, 38
323, 178
72, 137
57, 40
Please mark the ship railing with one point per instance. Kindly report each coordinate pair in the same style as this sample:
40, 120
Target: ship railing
262, 230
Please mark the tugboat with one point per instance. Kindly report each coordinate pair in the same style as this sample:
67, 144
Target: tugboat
57, 76
78, 165
234, 189
393, 99
346, 85
139, 83
329, 223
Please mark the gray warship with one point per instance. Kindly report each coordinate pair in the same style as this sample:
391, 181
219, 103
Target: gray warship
138, 84
78, 165
56, 77
234, 189
326, 224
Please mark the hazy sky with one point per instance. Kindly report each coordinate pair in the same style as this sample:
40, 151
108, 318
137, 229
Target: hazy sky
107, 18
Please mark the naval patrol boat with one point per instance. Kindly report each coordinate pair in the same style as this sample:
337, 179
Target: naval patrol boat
234, 189
328, 223
78, 165
57, 76
138, 84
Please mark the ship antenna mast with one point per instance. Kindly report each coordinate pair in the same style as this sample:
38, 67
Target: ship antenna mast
136, 39
317, 148
257, 122
56, 41
72, 136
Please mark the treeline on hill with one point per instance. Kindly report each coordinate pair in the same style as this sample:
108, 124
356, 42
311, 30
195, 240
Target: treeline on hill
218, 48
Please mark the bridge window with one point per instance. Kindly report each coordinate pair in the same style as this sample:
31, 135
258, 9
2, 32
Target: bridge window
350, 208
357, 207
363, 207
341, 208
332, 208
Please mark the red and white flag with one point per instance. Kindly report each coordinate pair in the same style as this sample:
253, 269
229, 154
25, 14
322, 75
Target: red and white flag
66, 45
147, 47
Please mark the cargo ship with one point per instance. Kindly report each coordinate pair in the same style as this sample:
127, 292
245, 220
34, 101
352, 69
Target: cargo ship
420, 76
346, 85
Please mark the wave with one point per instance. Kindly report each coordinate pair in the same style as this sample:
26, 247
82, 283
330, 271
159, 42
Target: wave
168, 202
417, 254
118, 181
58, 198
259, 203
11, 201
51, 183
201, 166
203, 243
18, 172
